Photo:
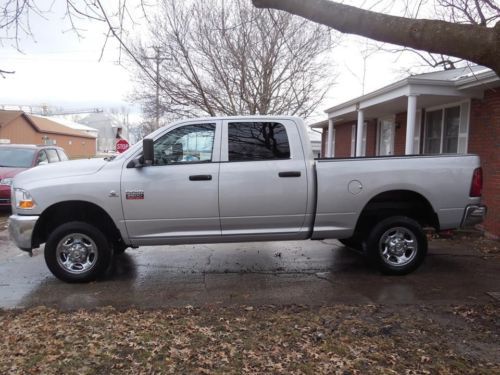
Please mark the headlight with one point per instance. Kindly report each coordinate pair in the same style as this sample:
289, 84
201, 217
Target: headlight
6, 181
23, 199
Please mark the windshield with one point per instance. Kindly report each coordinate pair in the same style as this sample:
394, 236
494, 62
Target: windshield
16, 157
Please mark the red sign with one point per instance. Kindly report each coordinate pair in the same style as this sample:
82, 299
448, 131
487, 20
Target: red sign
122, 145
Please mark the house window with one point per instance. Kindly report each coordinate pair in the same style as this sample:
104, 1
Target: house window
386, 135
446, 130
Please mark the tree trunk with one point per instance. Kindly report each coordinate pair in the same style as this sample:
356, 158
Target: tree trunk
475, 43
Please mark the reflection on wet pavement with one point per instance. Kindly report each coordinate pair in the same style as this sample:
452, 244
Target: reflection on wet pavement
306, 272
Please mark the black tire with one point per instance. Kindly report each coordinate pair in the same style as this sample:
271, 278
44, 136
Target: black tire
86, 242
397, 245
352, 243
119, 248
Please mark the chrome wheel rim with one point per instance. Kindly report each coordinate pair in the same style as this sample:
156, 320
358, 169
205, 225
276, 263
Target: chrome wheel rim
76, 253
398, 246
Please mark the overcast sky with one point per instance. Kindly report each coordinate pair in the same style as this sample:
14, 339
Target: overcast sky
59, 69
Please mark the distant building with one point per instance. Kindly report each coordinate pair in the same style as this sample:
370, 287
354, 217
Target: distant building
74, 125
19, 127
107, 127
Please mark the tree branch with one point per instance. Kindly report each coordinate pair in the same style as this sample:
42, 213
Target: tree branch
475, 43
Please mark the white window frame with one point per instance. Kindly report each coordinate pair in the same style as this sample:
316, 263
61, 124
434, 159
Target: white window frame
463, 135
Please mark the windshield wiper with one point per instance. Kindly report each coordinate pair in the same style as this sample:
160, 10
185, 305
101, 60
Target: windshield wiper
109, 158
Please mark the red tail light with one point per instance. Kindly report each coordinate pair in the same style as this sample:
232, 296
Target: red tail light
476, 187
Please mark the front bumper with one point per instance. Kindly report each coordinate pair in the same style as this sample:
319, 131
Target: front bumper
474, 214
21, 230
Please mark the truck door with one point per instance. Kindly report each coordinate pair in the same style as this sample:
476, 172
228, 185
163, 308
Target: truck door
178, 195
263, 180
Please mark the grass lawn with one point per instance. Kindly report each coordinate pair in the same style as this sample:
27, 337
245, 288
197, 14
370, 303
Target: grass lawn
366, 339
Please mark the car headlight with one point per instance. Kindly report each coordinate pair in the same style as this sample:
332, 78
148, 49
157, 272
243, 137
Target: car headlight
23, 199
6, 181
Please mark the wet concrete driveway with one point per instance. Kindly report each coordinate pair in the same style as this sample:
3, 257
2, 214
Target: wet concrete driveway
307, 272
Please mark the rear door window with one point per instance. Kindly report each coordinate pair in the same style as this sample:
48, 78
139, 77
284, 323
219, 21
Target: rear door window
52, 155
254, 141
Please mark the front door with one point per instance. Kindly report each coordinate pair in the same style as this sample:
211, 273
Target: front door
178, 195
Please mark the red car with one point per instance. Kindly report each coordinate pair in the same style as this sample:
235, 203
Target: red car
17, 158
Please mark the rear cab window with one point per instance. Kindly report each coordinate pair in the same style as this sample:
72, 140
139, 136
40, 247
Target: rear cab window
62, 155
257, 141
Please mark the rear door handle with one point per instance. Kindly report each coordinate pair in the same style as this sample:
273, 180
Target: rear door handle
201, 177
289, 174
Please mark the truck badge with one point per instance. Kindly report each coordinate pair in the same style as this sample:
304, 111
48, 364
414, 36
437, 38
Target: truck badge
134, 194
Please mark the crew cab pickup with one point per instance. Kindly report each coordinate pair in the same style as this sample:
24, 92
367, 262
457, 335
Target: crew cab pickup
239, 179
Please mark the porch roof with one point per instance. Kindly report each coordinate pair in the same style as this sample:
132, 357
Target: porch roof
432, 89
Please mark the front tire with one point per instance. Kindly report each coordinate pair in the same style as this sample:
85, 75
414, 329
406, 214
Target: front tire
352, 243
77, 252
397, 245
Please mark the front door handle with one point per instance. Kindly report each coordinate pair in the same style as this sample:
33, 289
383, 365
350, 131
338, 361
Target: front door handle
289, 174
201, 177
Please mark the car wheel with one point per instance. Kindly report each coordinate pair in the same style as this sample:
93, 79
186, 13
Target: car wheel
397, 245
77, 252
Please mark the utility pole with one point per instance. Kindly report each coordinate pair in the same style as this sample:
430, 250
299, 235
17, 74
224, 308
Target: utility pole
158, 60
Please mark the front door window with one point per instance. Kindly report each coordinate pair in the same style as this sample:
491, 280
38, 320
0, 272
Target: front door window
187, 144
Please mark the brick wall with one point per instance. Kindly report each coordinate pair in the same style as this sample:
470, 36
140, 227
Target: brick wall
343, 140
484, 140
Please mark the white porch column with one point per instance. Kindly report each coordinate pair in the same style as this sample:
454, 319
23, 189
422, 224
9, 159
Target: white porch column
410, 124
359, 133
329, 145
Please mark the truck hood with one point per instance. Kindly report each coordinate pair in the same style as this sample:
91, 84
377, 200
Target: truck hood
61, 169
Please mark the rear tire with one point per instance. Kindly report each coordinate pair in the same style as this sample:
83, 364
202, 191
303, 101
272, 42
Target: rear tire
77, 252
397, 245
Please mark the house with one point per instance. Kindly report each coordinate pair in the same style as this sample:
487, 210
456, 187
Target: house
453, 111
20, 127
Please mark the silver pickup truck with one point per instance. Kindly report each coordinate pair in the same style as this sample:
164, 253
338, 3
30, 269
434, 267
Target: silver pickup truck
239, 179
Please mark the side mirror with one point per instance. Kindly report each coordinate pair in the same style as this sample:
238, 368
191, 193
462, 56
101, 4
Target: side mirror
148, 154
147, 157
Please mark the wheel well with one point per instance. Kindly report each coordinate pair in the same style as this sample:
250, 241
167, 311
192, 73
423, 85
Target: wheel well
65, 212
397, 202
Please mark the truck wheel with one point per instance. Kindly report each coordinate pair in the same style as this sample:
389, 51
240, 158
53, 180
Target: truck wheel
77, 252
397, 245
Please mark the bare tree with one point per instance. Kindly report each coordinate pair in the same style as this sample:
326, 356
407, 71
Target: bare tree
16, 17
467, 32
229, 59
